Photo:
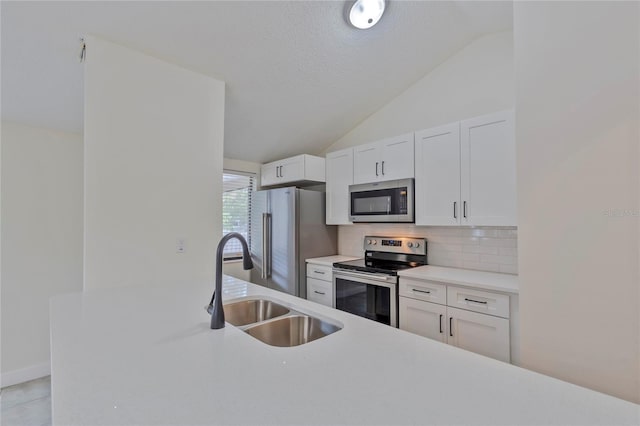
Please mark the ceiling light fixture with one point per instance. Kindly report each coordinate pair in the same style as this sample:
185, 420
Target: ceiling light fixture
366, 13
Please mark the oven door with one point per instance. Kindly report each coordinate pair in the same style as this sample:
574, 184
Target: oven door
372, 296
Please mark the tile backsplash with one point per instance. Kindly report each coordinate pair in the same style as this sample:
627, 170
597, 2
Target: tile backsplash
493, 249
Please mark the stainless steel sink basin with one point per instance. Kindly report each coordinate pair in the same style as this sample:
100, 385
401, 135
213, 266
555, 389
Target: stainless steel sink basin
253, 310
293, 330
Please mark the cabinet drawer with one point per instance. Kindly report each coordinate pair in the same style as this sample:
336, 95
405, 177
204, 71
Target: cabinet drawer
320, 272
423, 290
320, 291
484, 302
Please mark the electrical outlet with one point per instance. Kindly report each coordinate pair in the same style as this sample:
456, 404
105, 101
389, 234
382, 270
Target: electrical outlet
181, 245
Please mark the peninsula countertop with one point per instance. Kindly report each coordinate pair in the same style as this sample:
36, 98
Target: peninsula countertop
145, 355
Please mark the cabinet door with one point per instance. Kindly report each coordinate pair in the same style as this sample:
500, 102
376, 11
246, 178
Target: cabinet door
320, 291
269, 174
396, 157
479, 333
437, 169
423, 318
366, 163
339, 175
291, 169
488, 170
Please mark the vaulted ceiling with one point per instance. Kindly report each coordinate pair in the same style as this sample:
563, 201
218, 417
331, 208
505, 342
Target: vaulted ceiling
298, 76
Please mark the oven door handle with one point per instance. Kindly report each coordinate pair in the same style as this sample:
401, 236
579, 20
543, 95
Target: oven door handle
364, 275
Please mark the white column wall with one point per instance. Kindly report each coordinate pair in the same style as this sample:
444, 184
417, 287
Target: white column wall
153, 164
577, 115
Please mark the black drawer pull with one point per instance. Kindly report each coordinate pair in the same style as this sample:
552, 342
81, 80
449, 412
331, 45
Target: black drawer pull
475, 301
319, 292
318, 272
440, 323
420, 291
450, 326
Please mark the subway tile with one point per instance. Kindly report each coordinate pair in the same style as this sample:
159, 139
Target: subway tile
479, 249
507, 233
487, 233
498, 242
482, 266
509, 269
501, 260
470, 257
508, 251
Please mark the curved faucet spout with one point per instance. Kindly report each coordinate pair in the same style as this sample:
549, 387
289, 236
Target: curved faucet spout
215, 306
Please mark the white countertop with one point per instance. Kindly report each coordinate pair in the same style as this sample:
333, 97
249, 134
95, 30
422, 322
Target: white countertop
146, 355
330, 260
485, 280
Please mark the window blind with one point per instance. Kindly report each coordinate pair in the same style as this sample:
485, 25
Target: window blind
236, 209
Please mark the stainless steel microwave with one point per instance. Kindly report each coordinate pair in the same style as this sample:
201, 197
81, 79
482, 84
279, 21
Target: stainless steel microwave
390, 201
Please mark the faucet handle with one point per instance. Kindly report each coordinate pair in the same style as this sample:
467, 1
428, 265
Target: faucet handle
209, 308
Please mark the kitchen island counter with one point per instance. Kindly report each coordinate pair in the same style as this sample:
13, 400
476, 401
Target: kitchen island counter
146, 355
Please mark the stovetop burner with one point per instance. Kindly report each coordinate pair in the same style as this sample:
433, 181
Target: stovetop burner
389, 255
372, 265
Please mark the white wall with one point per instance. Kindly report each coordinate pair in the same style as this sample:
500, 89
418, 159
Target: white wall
153, 137
475, 81
41, 240
577, 114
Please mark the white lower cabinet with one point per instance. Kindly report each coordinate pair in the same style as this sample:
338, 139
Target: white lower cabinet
320, 284
320, 291
485, 334
423, 318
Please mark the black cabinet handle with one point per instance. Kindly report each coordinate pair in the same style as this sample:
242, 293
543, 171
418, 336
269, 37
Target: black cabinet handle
440, 323
383, 168
319, 272
464, 209
277, 171
377, 168
420, 291
451, 326
455, 214
475, 301
281, 175
318, 292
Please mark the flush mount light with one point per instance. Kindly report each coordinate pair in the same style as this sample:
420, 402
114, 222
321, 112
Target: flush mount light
366, 13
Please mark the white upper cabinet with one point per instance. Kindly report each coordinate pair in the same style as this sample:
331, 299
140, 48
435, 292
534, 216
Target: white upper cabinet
301, 168
488, 160
388, 159
339, 172
466, 173
438, 176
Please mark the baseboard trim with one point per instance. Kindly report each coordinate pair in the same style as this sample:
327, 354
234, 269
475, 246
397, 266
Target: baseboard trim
33, 372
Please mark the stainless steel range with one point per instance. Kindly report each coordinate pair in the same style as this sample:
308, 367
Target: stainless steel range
369, 287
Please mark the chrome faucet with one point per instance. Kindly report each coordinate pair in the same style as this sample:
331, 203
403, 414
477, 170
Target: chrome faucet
215, 306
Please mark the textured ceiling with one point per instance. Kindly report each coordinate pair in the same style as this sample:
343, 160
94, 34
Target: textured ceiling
298, 77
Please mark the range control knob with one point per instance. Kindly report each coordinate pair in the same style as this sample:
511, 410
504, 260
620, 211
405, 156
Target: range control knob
410, 245
368, 241
417, 245
375, 242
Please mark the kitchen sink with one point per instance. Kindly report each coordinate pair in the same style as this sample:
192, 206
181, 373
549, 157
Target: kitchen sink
252, 311
292, 330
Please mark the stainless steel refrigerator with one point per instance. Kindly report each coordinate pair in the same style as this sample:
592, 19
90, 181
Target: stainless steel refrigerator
287, 227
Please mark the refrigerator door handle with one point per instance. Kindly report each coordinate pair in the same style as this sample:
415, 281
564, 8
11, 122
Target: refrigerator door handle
266, 245
263, 271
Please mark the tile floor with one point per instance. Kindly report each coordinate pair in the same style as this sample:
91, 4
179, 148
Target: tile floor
27, 404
